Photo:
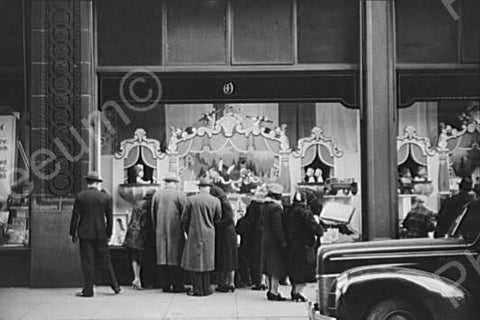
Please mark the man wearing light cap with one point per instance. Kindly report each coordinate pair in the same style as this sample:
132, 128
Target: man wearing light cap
168, 206
202, 214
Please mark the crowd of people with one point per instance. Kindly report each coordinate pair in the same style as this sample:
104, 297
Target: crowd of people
195, 237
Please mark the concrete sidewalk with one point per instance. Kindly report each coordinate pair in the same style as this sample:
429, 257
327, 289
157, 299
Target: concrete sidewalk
25, 303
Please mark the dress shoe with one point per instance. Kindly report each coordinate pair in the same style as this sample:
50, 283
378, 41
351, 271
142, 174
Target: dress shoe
259, 287
225, 288
136, 285
275, 297
194, 294
298, 297
180, 290
83, 295
116, 289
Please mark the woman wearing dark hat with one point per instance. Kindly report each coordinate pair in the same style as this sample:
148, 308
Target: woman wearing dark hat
251, 232
139, 234
226, 256
301, 230
274, 243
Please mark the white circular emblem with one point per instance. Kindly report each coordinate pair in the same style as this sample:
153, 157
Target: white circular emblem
228, 88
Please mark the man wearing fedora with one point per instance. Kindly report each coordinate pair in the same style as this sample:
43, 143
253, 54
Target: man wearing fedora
168, 205
203, 212
91, 225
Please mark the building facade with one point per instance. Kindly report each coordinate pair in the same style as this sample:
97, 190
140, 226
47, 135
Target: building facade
371, 101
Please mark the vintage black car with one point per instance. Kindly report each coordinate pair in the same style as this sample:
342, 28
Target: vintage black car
414, 279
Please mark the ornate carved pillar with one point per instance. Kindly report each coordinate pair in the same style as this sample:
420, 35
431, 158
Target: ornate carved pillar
63, 94
60, 97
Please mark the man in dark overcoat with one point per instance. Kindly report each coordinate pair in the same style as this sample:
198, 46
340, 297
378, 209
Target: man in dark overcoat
453, 207
91, 225
168, 205
202, 214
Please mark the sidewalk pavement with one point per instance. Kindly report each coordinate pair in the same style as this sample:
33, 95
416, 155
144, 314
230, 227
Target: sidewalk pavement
26, 304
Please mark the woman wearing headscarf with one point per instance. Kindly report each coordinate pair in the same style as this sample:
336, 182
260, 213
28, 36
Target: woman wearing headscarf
274, 243
301, 228
225, 243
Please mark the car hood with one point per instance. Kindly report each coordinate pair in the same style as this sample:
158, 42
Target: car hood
385, 251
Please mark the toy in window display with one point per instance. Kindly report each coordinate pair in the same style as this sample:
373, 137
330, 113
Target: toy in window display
333, 185
421, 174
247, 183
421, 183
219, 180
139, 174
318, 175
405, 181
310, 176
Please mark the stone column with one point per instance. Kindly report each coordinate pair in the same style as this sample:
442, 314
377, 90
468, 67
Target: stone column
60, 96
379, 118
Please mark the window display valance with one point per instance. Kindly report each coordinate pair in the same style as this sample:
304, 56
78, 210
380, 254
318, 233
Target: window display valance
420, 85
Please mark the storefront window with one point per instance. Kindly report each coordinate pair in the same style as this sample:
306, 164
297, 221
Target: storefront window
14, 130
437, 147
239, 146
15, 186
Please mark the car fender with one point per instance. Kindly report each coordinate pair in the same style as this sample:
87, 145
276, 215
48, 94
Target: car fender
359, 289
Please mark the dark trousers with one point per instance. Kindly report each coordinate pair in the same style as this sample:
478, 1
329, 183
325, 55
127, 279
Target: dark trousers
94, 255
201, 283
171, 277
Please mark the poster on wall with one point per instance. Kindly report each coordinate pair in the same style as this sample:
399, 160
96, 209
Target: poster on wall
7, 155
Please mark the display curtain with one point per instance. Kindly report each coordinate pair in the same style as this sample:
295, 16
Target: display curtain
299, 118
340, 123
424, 117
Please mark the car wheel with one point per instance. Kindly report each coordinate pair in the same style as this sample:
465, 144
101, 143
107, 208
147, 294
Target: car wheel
394, 309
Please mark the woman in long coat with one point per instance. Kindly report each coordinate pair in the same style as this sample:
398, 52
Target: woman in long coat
226, 255
301, 228
274, 244
252, 238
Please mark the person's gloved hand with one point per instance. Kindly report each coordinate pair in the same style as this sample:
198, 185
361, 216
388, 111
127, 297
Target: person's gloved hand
74, 239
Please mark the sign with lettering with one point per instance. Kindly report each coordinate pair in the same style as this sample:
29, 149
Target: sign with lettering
7, 155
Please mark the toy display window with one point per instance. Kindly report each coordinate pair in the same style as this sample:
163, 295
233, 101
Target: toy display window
15, 183
240, 146
437, 147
